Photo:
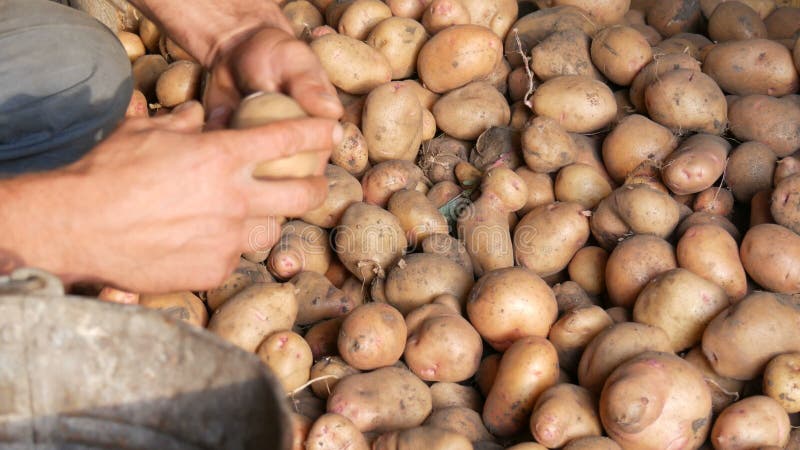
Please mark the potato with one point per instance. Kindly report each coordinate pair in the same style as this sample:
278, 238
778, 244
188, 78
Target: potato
149, 33
444, 348
762, 7
786, 202
714, 200
634, 140
483, 226
741, 341
399, 39
179, 83
373, 335
527, 368
408, 284
569, 295
651, 72
580, 104
245, 274
633, 263
672, 17
458, 55
254, 313
759, 208
769, 120
695, 45
724, 391
318, 299
581, 184
710, 252
696, 164
547, 238
750, 169
651, 35
146, 71
450, 395
732, 21
540, 189
303, 17
301, 247
300, 427
786, 167
592, 443
782, 382
361, 17
351, 65
754, 422
138, 106
445, 245
334, 432
368, 240
563, 53
461, 420
619, 314
408, 8
605, 12
288, 356
782, 23
391, 123
563, 413
615, 345
546, 145
487, 372
680, 303
574, 330
327, 371
440, 155
497, 15
770, 255
418, 217
427, 437
638, 416
753, 66
620, 52
441, 14
183, 306
343, 191
468, 111
173, 52
372, 401
686, 100
588, 267
133, 45
533, 28
386, 178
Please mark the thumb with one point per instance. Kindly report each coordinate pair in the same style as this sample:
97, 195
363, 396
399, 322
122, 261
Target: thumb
185, 118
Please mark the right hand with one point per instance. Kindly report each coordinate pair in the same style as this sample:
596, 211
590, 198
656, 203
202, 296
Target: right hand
160, 206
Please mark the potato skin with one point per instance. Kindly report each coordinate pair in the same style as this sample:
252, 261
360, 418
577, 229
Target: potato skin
563, 53
753, 66
546, 145
740, 341
638, 416
604, 12
680, 303
533, 28
582, 184
468, 111
634, 140
457, 56
754, 422
547, 238
384, 179
709, 251
507, 304
302, 246
342, 56
592, 443
750, 168
766, 119
289, 357
732, 21
368, 240
417, 215
334, 432
696, 164
620, 52
409, 284
343, 190
578, 103
687, 100
183, 306
372, 336
724, 391
449, 395
361, 16
770, 254
673, 17
422, 437
785, 204
372, 400
527, 368
464, 421
497, 15
563, 413
781, 381
633, 263
335, 368
392, 123
588, 268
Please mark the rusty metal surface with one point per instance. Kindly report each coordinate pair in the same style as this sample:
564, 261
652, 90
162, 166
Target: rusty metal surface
82, 374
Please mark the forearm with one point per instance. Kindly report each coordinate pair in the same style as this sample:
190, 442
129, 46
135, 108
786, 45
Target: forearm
205, 27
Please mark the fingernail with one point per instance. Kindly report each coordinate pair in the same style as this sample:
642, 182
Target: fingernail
338, 134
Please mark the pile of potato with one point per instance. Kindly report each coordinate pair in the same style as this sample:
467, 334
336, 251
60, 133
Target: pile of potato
552, 224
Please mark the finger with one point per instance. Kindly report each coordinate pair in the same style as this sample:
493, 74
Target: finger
288, 198
220, 97
261, 234
186, 118
276, 140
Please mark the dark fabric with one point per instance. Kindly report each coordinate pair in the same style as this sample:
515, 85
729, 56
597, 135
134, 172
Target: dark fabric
65, 83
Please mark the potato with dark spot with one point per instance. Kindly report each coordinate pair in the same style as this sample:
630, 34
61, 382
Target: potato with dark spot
578, 103
724, 391
546, 145
752, 66
392, 123
533, 28
563, 53
755, 422
733, 21
685, 100
620, 52
671, 17
335, 432
750, 168
399, 39
409, 283
468, 111
772, 121
318, 299
563, 413
782, 381
372, 336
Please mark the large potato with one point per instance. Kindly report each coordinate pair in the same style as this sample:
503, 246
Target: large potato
696, 164
633, 263
468, 111
753, 66
660, 64
457, 56
634, 140
399, 39
687, 100
497, 15
767, 119
288, 356
255, 313
770, 254
563, 413
527, 369
546, 239
709, 251
351, 65
369, 240
615, 345
546, 145
732, 21
680, 303
507, 304
533, 28
574, 330
392, 123
361, 16
755, 422
750, 168
563, 53
620, 52
409, 284
385, 399
444, 348
671, 17
372, 336
582, 184
343, 190
580, 104
417, 215
740, 341
655, 399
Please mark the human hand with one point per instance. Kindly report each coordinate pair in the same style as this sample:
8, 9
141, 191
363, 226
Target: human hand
160, 206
